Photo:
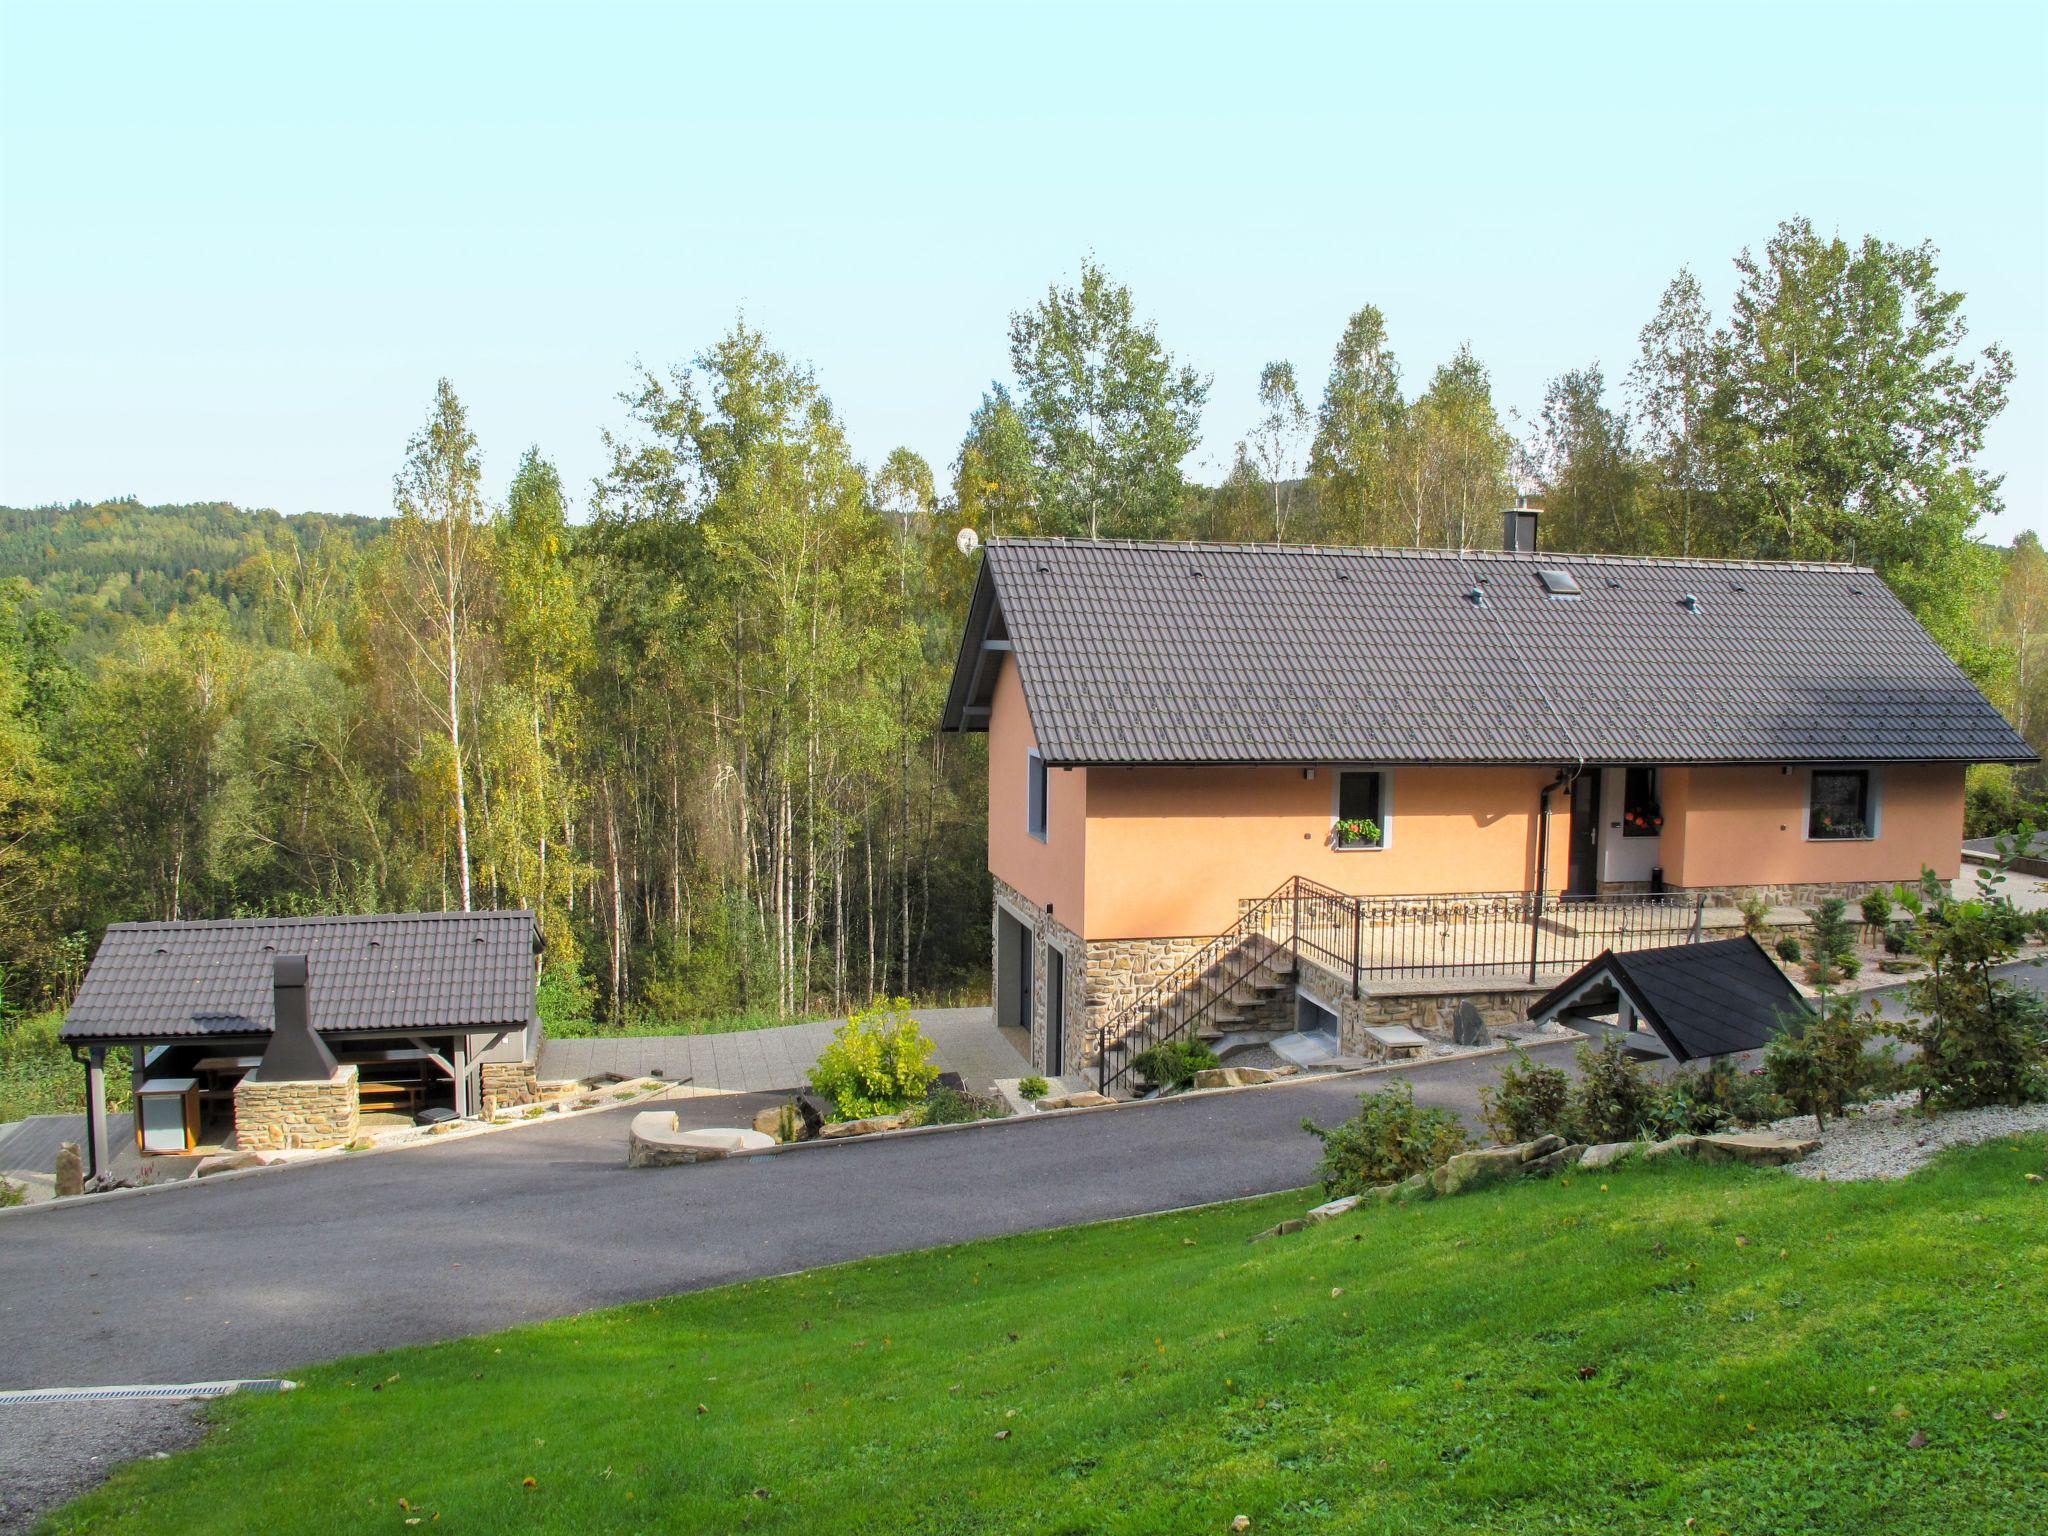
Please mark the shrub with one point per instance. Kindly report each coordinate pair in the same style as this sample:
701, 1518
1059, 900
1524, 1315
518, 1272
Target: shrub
789, 1122
878, 1062
1389, 1138
1817, 1062
1174, 1064
950, 1106
1033, 1088
1788, 948
1614, 1098
1705, 1099
1831, 951
1898, 939
1876, 907
1755, 912
1530, 1100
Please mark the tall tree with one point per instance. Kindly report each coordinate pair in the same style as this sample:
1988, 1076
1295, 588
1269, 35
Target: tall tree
1455, 455
1276, 442
438, 554
1357, 447
1590, 476
1109, 414
1672, 382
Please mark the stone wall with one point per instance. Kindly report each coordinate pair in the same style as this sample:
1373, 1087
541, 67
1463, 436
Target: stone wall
508, 1084
1429, 1013
281, 1117
1047, 934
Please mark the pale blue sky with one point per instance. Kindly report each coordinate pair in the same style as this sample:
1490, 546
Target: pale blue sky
237, 246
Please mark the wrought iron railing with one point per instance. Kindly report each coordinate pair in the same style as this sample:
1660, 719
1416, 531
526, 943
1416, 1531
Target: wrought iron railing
1517, 937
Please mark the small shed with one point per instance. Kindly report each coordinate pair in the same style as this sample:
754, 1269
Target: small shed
294, 1028
1685, 1001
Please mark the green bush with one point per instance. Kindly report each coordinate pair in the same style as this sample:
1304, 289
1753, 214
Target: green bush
1033, 1088
950, 1106
878, 1062
1755, 912
1614, 1098
38, 1076
1788, 948
1528, 1101
1876, 907
1173, 1065
1702, 1100
1817, 1063
1831, 949
1389, 1138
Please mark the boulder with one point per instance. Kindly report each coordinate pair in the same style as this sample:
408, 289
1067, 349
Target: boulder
1384, 1193
656, 1141
1757, 1148
1295, 1224
1542, 1146
1608, 1153
1329, 1210
843, 1128
1087, 1100
70, 1170
1673, 1146
769, 1122
1476, 1170
1233, 1077
1419, 1186
1551, 1162
227, 1162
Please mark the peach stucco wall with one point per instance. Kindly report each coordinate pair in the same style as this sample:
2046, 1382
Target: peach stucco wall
1171, 850
1747, 826
1047, 872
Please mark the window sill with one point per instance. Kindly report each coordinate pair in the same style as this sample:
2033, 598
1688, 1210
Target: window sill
1359, 847
1865, 837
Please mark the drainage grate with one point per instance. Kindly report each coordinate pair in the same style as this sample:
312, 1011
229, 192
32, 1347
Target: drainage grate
172, 1392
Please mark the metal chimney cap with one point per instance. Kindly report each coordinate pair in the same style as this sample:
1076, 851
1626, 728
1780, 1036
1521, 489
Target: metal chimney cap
288, 970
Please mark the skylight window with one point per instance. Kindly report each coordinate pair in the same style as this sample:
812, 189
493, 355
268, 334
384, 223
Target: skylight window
1558, 583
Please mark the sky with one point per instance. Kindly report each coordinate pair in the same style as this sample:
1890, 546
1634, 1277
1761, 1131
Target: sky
238, 245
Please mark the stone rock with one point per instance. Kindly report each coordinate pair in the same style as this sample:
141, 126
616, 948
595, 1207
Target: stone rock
1542, 1146
1674, 1146
842, 1128
1233, 1077
1087, 1100
227, 1162
1420, 1186
769, 1122
1294, 1224
656, 1142
1476, 1170
1384, 1193
1756, 1148
1551, 1162
70, 1170
12, 1192
1468, 1027
1329, 1210
1608, 1153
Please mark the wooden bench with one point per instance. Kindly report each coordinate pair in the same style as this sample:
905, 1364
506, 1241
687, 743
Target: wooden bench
372, 1098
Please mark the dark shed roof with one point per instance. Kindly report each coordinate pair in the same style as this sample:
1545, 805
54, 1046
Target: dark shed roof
409, 971
1262, 653
1711, 999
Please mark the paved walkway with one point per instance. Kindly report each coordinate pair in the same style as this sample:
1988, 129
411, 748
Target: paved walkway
768, 1060
28, 1148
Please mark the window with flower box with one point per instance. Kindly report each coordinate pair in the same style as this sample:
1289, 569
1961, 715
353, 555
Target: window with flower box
1641, 814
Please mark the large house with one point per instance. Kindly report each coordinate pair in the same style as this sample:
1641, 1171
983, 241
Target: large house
1406, 763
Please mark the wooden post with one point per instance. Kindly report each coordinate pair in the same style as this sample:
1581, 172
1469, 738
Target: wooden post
99, 1164
458, 1058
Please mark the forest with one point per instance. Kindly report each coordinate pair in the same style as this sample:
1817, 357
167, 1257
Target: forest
694, 725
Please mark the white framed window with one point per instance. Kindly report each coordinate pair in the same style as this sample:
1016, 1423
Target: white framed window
1034, 795
1843, 804
1361, 809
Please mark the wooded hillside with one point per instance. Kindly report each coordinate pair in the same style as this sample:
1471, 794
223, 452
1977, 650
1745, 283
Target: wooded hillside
695, 729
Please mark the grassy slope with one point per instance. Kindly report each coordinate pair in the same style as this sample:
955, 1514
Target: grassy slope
1605, 1353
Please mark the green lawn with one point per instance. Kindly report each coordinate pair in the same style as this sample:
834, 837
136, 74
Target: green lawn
1656, 1349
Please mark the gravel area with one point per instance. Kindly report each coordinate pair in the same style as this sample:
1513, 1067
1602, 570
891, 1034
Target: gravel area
55, 1452
1889, 1138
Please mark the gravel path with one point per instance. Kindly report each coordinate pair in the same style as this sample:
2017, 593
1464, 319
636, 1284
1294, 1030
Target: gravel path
55, 1453
1889, 1138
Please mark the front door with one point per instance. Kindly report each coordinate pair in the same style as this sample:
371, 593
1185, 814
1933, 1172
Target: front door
1055, 1010
1024, 968
1582, 872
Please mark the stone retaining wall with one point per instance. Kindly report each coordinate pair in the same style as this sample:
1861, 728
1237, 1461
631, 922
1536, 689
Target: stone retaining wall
509, 1084
1428, 1013
283, 1117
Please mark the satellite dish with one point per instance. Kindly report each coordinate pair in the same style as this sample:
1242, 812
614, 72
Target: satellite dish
968, 540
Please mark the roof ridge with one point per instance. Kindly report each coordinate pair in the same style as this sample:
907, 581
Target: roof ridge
1477, 552
312, 918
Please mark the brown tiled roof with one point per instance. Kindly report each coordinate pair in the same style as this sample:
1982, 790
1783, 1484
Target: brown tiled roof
414, 970
1260, 653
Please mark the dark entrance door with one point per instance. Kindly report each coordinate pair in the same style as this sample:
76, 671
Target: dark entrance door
1025, 965
1582, 872
1055, 1010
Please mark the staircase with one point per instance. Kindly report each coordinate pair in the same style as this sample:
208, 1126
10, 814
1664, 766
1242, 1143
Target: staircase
1235, 991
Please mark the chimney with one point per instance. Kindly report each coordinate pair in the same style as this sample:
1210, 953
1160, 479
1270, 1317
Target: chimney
296, 1054
1519, 528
